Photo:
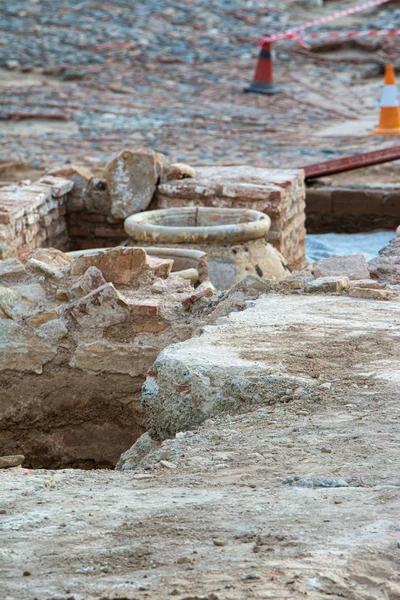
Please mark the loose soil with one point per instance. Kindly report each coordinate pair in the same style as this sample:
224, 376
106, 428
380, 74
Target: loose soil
295, 500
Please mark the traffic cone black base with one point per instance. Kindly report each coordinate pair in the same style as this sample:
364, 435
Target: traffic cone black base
263, 88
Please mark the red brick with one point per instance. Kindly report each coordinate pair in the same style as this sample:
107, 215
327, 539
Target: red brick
145, 309
4, 218
187, 302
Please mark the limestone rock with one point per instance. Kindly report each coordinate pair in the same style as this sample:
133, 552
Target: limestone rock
132, 177
327, 285
132, 457
49, 262
241, 361
365, 283
45, 269
23, 349
293, 284
353, 267
97, 198
161, 267
12, 269
16, 302
51, 257
11, 461
103, 356
386, 266
89, 281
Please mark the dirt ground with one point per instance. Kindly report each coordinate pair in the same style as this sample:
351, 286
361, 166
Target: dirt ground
224, 524
294, 500
93, 78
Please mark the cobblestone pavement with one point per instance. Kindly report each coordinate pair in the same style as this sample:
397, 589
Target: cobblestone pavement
80, 79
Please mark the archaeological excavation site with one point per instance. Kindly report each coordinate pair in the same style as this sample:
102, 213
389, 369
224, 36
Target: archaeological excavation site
199, 300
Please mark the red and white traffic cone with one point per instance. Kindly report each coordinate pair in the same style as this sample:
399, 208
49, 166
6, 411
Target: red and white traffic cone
389, 118
263, 82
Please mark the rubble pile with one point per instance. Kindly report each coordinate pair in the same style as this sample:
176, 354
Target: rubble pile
78, 336
386, 266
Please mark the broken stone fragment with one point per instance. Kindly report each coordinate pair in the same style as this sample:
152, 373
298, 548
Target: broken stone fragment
42, 317
97, 197
23, 348
132, 457
89, 281
122, 265
80, 177
50, 256
159, 287
368, 293
11, 461
353, 267
118, 265
63, 295
18, 301
179, 171
292, 284
101, 308
45, 269
188, 302
12, 269
102, 356
59, 185
132, 177
255, 283
49, 262
161, 267
327, 285
366, 283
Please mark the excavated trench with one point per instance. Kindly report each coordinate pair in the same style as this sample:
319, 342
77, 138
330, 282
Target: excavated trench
61, 416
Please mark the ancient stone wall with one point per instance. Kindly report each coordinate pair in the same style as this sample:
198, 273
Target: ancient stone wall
33, 215
279, 193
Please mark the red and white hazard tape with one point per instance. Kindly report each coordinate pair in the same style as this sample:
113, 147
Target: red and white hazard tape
292, 33
343, 34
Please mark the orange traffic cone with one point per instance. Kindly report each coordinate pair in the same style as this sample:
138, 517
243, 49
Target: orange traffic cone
263, 82
389, 120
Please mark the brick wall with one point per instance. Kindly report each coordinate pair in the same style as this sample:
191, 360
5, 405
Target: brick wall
94, 230
33, 215
279, 193
352, 209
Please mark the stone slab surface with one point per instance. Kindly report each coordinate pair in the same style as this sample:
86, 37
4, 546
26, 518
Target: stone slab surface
282, 343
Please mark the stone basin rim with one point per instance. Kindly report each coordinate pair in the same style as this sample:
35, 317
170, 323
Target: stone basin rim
145, 226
